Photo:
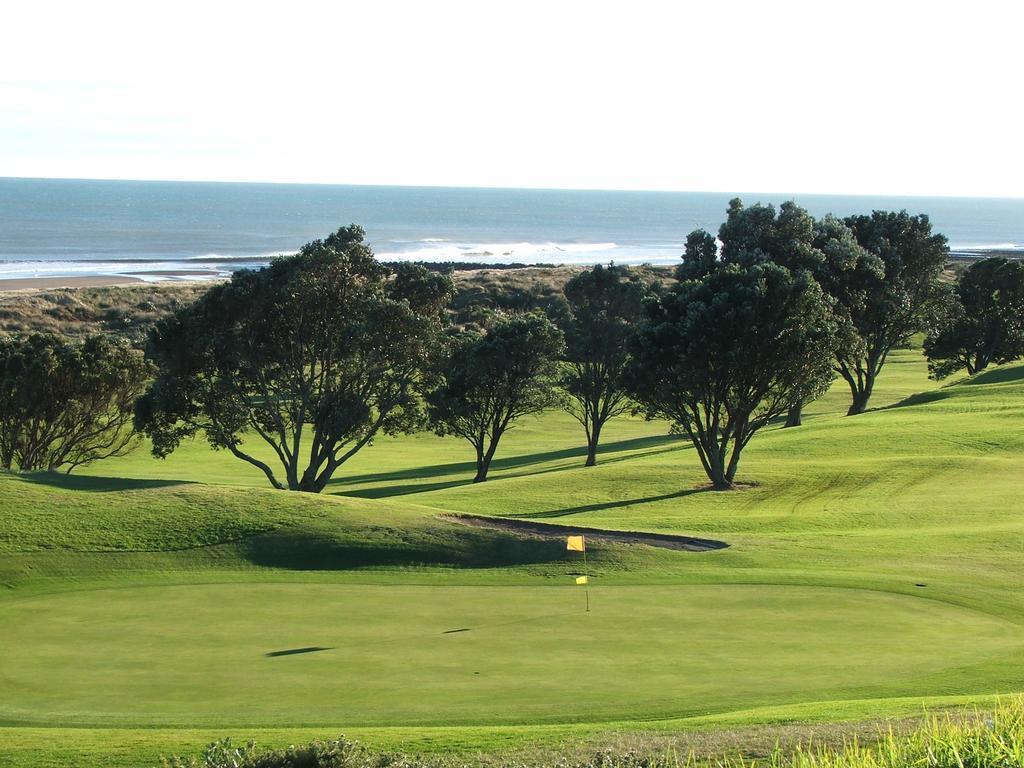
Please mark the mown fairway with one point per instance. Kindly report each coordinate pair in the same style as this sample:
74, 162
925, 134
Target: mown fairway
875, 562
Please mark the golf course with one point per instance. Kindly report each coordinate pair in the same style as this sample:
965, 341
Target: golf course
866, 567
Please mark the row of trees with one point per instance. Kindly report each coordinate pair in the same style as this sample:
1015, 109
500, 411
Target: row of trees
321, 352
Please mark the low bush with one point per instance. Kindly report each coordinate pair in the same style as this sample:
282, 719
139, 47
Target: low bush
341, 753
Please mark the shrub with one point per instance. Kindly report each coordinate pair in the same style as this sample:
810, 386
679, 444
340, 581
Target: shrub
340, 753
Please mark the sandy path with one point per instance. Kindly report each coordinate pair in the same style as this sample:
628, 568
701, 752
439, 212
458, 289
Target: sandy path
550, 530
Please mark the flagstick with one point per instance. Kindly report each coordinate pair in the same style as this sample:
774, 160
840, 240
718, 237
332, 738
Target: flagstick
586, 575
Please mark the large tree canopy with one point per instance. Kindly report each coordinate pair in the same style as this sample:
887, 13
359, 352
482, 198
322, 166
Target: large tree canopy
881, 269
759, 233
722, 355
313, 355
756, 233
488, 380
62, 404
984, 324
605, 303
887, 307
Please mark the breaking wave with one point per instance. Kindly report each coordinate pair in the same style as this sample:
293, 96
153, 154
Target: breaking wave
435, 249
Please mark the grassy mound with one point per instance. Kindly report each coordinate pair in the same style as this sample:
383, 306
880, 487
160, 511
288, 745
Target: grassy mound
99, 514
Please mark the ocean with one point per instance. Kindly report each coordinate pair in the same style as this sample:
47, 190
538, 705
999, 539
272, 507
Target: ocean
169, 230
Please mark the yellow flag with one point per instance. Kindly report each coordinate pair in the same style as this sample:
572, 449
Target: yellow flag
581, 580
575, 544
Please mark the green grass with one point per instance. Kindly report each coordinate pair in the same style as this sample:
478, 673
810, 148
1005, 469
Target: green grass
874, 565
197, 655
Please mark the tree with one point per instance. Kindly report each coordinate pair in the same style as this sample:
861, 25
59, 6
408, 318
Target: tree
723, 355
888, 306
314, 355
63, 405
757, 233
605, 303
985, 321
700, 255
488, 380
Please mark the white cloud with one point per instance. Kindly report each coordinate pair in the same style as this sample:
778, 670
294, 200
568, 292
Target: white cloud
858, 97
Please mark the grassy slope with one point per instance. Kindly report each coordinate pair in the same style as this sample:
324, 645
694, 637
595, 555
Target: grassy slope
925, 492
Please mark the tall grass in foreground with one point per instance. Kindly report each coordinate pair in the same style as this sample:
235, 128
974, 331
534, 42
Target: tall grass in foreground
960, 740
955, 740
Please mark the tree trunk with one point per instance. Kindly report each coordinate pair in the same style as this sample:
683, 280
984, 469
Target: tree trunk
717, 472
860, 402
979, 364
483, 459
861, 395
592, 439
795, 416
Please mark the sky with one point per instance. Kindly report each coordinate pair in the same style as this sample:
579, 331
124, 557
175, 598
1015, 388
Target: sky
858, 97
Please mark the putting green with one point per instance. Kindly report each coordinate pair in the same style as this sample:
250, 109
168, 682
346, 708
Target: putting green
202, 654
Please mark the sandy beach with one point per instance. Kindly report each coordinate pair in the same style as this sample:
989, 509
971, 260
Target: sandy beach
99, 281
81, 281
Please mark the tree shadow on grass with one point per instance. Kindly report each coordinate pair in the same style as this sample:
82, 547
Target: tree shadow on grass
466, 469
447, 545
612, 504
94, 484
1002, 375
405, 489
921, 398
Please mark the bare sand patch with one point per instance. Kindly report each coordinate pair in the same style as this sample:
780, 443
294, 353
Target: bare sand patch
552, 530
79, 281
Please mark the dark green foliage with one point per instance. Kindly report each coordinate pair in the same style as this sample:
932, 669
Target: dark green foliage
793, 239
723, 355
315, 355
605, 303
757, 233
881, 269
890, 300
700, 256
488, 380
984, 321
63, 404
